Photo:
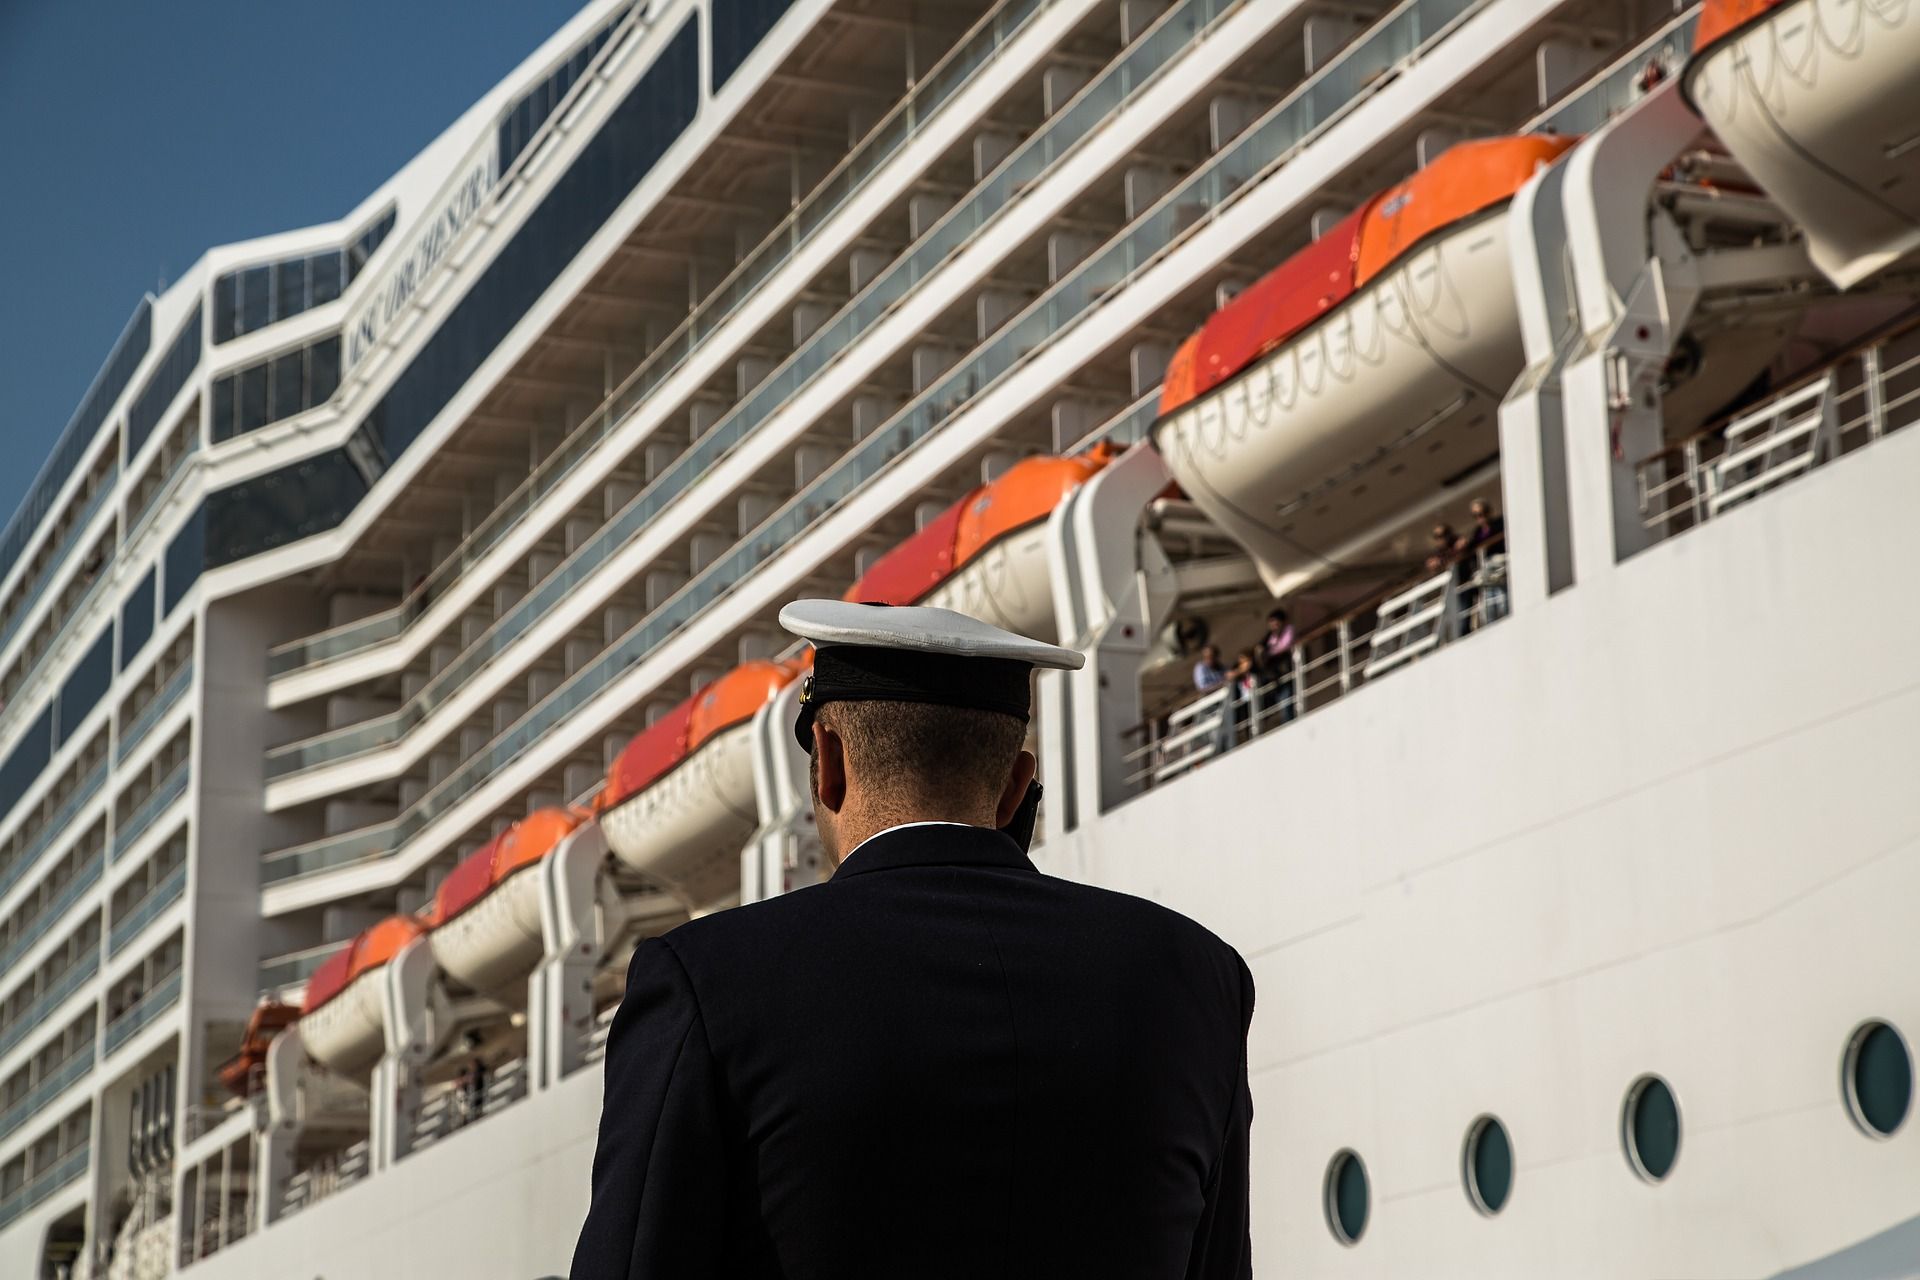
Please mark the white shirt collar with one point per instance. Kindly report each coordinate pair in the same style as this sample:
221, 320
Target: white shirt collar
905, 826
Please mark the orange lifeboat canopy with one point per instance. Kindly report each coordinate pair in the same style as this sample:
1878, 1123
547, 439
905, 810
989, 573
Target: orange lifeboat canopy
524, 843
1025, 494
1466, 179
371, 949
1722, 18
657, 749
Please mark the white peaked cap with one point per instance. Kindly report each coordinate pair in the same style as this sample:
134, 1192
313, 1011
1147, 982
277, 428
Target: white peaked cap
919, 629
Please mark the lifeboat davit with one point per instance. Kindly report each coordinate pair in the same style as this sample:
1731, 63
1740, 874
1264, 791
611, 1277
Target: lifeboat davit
1289, 417
986, 555
241, 1073
679, 803
1819, 100
486, 913
342, 1016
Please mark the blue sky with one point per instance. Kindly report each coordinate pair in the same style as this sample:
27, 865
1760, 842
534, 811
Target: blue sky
139, 133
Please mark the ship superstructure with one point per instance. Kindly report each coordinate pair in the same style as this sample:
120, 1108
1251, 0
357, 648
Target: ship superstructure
389, 643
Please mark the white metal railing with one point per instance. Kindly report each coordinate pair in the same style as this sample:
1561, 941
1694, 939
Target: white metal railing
467, 1101
62, 1077
84, 879
171, 788
47, 1001
596, 1035
1330, 662
151, 714
158, 899
1863, 395
290, 970
332, 1172
60, 824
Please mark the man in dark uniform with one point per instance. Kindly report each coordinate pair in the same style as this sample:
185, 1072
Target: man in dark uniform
941, 1063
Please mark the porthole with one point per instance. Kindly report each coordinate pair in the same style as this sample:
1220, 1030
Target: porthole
1347, 1198
1650, 1128
1486, 1164
1878, 1077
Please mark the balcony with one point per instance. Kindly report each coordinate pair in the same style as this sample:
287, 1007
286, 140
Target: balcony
154, 711
52, 1086
94, 506
143, 1011
34, 1015
1030, 336
65, 1170
294, 968
162, 896
83, 880
60, 824
170, 789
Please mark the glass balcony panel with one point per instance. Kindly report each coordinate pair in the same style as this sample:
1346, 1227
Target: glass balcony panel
162, 896
170, 789
155, 711
144, 1011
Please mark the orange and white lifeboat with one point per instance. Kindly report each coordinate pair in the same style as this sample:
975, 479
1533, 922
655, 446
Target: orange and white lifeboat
486, 913
1819, 100
1291, 416
986, 555
342, 1016
679, 802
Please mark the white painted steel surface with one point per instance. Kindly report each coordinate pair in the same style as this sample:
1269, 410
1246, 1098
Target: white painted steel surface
1819, 101
686, 830
1007, 585
346, 1033
495, 943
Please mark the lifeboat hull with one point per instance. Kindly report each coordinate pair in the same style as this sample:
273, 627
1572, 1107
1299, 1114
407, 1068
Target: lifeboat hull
495, 943
1819, 101
1318, 441
686, 830
347, 1033
1007, 585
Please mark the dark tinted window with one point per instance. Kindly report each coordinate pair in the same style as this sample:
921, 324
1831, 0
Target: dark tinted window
368, 241
253, 397
186, 556
289, 288
634, 137
524, 118
256, 298
276, 388
136, 620
87, 684
323, 370
326, 279
26, 761
164, 383
288, 385
738, 26
297, 501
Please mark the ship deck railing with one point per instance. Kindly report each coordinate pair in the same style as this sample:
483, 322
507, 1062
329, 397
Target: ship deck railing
1868, 391
335, 1171
64, 1170
1388, 632
458, 1104
1361, 69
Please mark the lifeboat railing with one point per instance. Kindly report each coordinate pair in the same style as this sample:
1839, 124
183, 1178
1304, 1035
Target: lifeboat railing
1868, 392
458, 1105
1387, 633
906, 121
335, 1171
1364, 67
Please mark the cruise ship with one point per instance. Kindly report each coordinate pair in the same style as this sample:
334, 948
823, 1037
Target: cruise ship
1465, 438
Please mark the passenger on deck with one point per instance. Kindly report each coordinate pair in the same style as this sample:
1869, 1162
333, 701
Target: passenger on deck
1486, 599
1243, 680
1446, 548
1276, 665
1209, 673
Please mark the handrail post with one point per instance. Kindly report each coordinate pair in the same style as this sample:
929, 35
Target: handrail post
1874, 380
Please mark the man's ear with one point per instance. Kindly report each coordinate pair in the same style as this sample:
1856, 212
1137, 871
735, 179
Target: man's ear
1016, 788
830, 767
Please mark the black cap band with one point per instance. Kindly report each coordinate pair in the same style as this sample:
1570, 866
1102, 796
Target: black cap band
869, 673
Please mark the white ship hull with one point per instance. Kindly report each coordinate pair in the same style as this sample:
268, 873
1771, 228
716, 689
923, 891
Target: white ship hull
494, 944
1819, 101
346, 1033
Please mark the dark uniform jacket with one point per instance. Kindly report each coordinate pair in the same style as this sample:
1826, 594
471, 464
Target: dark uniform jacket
941, 1063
